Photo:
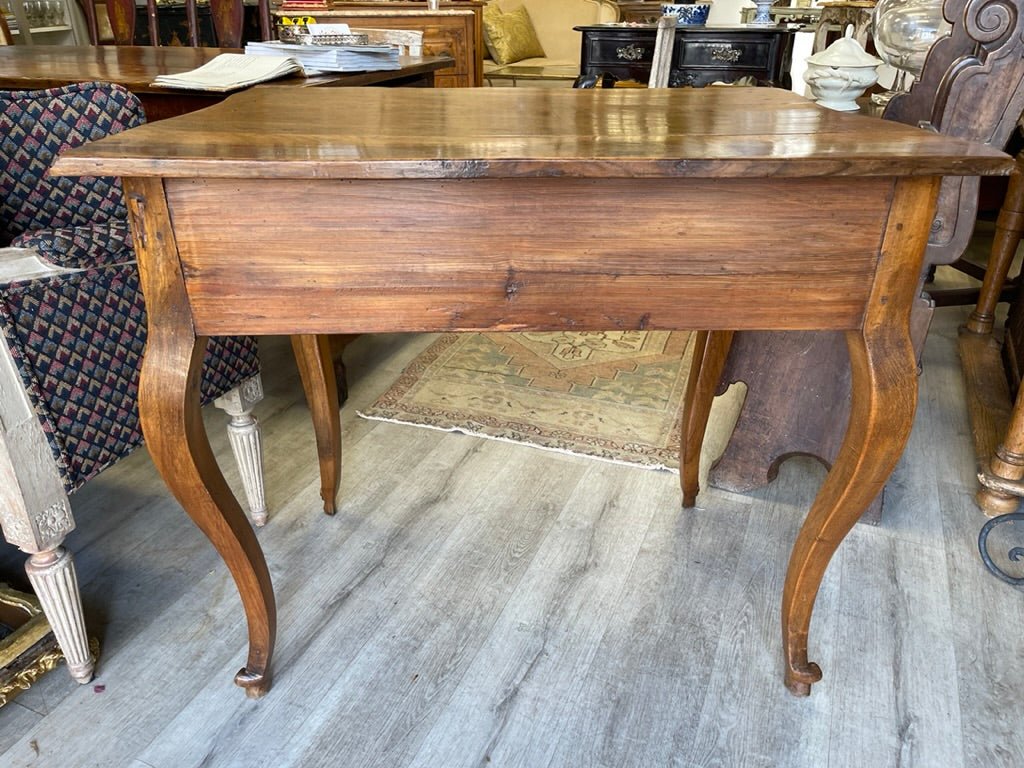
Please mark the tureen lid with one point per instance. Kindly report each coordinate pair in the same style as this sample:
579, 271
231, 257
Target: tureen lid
844, 52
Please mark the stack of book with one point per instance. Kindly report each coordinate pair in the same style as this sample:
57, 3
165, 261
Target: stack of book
316, 59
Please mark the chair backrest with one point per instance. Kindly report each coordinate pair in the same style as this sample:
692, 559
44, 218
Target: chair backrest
37, 126
228, 18
972, 87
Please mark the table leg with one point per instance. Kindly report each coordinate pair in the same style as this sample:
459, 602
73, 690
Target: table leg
883, 400
316, 368
710, 350
881, 414
173, 427
1001, 477
1009, 228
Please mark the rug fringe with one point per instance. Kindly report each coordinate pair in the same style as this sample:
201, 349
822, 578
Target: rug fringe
552, 449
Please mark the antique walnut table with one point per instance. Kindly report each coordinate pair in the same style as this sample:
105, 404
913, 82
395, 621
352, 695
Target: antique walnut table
318, 211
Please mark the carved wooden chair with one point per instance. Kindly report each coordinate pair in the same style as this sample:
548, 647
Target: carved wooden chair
971, 86
226, 23
72, 333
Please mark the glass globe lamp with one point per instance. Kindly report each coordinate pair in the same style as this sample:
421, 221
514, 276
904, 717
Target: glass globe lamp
904, 31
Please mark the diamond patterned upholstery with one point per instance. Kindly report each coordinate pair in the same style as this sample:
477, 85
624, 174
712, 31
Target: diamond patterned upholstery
35, 126
77, 338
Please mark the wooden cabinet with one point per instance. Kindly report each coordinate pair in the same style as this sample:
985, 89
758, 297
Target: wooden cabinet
701, 55
45, 22
455, 29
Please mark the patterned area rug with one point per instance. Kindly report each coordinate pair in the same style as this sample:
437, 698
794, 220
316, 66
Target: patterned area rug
610, 395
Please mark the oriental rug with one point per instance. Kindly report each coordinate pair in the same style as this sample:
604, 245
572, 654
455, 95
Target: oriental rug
613, 395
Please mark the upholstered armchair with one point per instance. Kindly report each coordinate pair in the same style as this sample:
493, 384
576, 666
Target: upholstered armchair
72, 334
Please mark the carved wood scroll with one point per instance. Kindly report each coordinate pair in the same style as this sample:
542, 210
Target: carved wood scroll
970, 87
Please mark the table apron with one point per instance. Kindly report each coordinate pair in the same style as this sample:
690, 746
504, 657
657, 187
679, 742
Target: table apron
319, 256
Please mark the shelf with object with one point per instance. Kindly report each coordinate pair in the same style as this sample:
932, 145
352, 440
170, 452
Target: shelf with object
44, 22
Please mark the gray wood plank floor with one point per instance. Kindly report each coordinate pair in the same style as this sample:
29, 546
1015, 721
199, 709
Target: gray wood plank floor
479, 603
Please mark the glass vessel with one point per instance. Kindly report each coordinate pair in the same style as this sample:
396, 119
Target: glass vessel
903, 31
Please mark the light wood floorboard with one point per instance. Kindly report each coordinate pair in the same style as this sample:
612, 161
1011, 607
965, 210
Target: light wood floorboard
476, 603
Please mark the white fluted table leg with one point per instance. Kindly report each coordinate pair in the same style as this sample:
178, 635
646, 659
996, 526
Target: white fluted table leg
247, 443
55, 583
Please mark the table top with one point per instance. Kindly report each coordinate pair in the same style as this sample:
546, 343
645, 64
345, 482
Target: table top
135, 67
535, 72
509, 132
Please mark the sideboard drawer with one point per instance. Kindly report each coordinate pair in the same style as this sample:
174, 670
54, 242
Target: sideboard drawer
622, 50
755, 54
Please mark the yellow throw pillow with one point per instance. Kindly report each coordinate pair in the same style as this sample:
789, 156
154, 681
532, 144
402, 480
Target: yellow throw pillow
510, 37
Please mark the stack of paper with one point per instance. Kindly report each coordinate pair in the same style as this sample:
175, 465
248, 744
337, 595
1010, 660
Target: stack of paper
230, 71
331, 58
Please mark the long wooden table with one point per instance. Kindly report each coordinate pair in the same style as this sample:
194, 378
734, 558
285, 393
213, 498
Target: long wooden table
135, 68
529, 209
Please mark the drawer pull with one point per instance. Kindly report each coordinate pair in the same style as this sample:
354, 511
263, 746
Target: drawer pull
725, 53
630, 52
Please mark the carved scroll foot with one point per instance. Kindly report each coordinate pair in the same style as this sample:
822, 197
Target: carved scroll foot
711, 348
53, 578
246, 443
800, 679
255, 684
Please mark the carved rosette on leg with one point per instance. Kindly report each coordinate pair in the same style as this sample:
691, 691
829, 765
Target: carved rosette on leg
39, 530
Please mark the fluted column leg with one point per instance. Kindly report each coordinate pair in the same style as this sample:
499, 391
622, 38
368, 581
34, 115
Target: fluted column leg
247, 443
55, 583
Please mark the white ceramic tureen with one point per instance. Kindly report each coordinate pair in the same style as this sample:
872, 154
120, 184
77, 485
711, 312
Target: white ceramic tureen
841, 73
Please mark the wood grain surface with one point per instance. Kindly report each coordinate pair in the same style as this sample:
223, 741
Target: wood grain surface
448, 133
498, 253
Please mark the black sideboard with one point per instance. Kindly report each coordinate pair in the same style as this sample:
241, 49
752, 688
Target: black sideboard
701, 54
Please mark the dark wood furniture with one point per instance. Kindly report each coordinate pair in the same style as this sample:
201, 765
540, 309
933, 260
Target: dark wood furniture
454, 30
701, 55
215, 23
798, 386
539, 252
997, 416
